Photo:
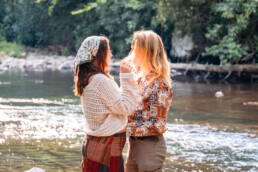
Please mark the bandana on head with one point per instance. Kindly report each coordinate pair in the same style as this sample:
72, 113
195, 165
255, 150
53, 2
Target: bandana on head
87, 50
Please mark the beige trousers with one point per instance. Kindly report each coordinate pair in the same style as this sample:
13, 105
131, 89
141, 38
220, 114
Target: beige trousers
146, 155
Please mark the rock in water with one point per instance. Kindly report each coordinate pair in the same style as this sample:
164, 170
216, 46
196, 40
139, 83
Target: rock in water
219, 94
65, 67
35, 169
250, 103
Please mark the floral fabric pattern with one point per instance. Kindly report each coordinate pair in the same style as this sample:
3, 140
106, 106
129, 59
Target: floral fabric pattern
87, 50
150, 116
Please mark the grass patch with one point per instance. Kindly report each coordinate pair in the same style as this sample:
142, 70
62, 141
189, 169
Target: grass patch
12, 49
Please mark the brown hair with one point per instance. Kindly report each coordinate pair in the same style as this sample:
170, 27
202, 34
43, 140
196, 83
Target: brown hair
99, 64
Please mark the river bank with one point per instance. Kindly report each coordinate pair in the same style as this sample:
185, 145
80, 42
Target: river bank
43, 63
36, 63
197, 72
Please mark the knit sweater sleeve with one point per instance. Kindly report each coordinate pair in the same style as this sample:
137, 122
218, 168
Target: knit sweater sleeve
121, 101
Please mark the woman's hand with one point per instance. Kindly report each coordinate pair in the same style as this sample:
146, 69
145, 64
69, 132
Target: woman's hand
126, 63
125, 67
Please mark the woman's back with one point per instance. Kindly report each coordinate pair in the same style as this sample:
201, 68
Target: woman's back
103, 105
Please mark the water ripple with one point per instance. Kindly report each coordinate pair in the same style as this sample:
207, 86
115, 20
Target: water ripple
204, 144
190, 146
30, 122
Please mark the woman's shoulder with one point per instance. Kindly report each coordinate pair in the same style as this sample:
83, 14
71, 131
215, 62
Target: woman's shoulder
102, 80
96, 79
161, 82
99, 76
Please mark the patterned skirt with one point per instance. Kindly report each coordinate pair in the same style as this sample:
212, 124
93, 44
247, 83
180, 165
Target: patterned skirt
101, 154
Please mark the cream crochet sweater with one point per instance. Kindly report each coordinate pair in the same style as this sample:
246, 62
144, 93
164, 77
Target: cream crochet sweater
106, 106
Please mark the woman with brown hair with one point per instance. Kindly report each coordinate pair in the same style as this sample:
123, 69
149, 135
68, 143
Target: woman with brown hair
146, 126
104, 105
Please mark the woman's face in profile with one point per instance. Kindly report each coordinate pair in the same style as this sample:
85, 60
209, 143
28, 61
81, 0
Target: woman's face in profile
137, 55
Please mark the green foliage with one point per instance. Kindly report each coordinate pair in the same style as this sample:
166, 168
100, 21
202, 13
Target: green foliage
8, 21
28, 22
136, 5
41, 23
88, 7
51, 7
185, 14
117, 20
189, 17
224, 29
12, 49
228, 50
32, 30
2, 38
228, 35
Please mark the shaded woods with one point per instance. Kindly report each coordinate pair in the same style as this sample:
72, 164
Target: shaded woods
206, 32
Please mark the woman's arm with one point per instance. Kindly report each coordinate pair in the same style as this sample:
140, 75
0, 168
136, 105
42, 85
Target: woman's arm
121, 101
159, 100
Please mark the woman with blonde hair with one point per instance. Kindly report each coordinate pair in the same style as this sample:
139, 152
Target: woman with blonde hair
104, 105
147, 147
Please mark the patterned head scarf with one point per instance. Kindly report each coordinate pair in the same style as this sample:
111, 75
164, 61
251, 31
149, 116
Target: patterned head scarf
87, 50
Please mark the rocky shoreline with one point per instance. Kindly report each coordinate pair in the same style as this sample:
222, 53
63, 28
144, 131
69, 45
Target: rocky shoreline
42, 63
38, 63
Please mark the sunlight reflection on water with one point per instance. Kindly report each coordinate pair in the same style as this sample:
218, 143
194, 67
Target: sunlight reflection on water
46, 127
207, 145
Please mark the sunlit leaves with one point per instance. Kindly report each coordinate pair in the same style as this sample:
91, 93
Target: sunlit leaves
51, 7
89, 7
135, 4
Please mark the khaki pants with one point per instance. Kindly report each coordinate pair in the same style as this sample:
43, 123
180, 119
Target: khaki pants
146, 155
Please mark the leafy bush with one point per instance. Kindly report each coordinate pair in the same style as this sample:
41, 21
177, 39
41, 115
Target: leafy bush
222, 29
12, 49
234, 36
115, 19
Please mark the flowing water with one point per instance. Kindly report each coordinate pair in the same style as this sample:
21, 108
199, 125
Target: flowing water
42, 125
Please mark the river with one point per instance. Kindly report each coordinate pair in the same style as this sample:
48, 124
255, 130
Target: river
42, 125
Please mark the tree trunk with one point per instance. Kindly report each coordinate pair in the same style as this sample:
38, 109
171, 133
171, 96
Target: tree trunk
250, 68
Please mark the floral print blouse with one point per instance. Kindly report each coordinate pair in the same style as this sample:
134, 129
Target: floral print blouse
151, 114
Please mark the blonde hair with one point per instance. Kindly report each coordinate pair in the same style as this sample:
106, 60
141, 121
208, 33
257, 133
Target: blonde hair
153, 53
